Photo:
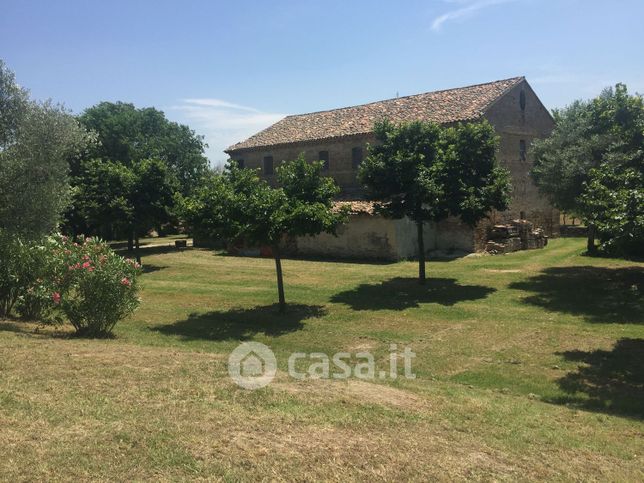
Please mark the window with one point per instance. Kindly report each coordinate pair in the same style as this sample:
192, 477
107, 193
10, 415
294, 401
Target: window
356, 157
522, 150
522, 100
240, 163
324, 156
268, 165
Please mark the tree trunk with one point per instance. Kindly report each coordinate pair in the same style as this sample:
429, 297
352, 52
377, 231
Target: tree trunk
130, 240
138, 246
280, 280
421, 253
590, 244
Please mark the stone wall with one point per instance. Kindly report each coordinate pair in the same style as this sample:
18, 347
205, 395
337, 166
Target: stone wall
367, 236
513, 125
340, 161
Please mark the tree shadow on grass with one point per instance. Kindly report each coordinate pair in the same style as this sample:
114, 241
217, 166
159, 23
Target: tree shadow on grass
610, 381
402, 293
609, 295
151, 268
242, 323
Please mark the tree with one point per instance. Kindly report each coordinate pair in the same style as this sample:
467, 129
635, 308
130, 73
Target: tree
101, 198
117, 199
150, 198
587, 135
128, 135
613, 201
14, 101
427, 172
238, 206
36, 141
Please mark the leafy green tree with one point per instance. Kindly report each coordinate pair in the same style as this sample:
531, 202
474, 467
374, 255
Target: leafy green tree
115, 199
587, 135
239, 206
101, 201
128, 135
150, 198
14, 101
427, 172
613, 201
36, 140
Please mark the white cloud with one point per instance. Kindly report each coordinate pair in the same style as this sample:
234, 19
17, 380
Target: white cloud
467, 9
222, 123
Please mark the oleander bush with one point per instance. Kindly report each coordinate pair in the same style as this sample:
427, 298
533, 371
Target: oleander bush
83, 281
94, 287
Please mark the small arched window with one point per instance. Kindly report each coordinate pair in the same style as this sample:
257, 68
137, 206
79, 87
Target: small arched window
522, 100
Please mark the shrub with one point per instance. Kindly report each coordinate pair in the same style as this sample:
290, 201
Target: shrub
19, 270
23, 271
94, 287
38, 266
86, 281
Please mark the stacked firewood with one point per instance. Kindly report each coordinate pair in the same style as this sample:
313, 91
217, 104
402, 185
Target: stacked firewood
514, 236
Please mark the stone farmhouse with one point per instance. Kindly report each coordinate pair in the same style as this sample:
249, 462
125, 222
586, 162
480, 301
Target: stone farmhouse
339, 137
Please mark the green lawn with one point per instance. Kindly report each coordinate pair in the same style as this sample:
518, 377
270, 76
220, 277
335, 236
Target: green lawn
529, 366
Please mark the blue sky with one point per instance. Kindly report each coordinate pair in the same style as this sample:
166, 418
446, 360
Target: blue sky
229, 69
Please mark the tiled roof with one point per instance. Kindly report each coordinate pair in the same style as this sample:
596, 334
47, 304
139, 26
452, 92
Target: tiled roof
452, 105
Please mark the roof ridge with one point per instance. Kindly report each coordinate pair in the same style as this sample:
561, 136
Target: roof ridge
515, 79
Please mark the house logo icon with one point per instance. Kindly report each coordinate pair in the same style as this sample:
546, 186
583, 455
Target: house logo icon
252, 365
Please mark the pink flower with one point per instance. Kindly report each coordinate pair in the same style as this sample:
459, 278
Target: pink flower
85, 257
86, 265
90, 269
55, 297
126, 281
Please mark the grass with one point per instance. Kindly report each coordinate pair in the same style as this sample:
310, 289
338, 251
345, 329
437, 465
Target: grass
529, 366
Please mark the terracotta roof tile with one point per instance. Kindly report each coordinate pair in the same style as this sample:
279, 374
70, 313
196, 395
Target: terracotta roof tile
452, 105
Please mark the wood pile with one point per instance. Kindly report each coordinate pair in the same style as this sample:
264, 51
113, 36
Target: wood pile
514, 236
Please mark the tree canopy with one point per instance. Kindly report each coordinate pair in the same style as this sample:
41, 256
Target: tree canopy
591, 163
127, 134
36, 141
427, 172
240, 207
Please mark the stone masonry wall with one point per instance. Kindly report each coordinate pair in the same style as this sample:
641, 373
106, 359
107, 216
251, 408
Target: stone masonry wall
340, 161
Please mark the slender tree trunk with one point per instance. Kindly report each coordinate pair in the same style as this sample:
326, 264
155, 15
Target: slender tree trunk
280, 280
130, 240
590, 244
421, 253
137, 247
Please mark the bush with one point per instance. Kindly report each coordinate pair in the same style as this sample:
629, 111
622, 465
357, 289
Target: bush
94, 287
36, 265
15, 274
87, 282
